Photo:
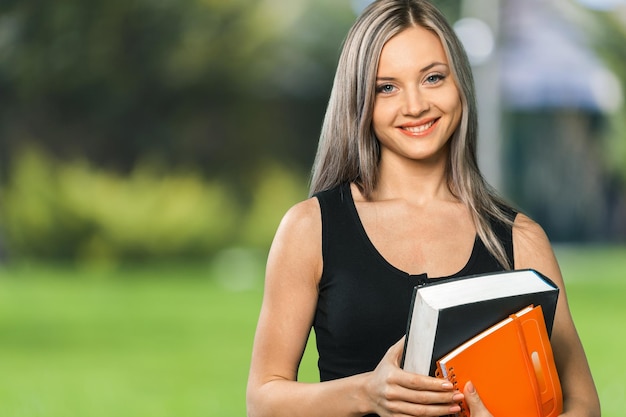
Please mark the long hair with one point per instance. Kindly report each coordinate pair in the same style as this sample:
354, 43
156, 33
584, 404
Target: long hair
348, 150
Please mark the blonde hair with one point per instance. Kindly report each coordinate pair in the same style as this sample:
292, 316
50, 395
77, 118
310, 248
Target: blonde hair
348, 150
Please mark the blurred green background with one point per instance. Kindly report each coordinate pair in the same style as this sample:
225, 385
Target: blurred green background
148, 150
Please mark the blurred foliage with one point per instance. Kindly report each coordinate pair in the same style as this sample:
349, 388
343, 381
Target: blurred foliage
194, 82
72, 210
214, 91
276, 190
605, 34
608, 30
158, 123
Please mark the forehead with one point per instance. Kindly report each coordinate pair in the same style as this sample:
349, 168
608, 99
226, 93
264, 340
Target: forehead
411, 48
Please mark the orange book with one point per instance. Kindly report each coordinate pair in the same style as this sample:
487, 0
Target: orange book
512, 367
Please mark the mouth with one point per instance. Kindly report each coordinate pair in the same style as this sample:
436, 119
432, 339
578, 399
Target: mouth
419, 129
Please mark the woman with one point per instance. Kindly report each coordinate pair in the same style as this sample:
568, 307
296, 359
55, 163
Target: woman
397, 200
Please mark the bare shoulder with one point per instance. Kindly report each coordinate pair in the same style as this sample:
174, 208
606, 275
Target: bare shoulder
527, 232
297, 245
304, 217
532, 248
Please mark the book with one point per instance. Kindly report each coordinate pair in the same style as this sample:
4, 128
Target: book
446, 313
512, 367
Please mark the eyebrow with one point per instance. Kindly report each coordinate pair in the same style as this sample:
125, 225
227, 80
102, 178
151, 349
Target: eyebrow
426, 68
434, 64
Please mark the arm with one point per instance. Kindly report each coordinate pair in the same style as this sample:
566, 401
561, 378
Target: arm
294, 268
533, 250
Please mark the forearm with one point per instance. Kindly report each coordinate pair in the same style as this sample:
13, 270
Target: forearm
277, 398
580, 407
580, 397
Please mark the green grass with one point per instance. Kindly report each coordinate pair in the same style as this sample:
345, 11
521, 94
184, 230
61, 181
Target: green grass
176, 340
150, 342
596, 285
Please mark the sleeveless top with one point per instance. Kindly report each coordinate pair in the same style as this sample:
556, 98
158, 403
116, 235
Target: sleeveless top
364, 301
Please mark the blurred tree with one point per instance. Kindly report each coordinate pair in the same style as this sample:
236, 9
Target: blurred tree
220, 85
609, 34
608, 30
226, 88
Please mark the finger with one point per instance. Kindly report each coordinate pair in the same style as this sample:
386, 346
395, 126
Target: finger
415, 381
425, 407
396, 350
419, 389
475, 404
424, 397
425, 383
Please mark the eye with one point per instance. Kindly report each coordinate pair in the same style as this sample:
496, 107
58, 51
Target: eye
434, 78
385, 88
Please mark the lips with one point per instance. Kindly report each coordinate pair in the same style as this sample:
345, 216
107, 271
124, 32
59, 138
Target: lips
419, 129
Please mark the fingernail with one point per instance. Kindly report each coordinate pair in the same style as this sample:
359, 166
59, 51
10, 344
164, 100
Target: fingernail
455, 409
470, 387
447, 385
458, 397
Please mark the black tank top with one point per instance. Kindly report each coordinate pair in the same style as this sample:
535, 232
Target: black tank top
364, 301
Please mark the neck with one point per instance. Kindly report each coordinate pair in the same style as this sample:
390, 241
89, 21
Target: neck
417, 182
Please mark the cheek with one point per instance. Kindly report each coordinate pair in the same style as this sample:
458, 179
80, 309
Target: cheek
452, 100
458, 111
454, 107
380, 116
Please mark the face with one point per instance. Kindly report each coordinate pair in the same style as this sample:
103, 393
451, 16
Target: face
417, 105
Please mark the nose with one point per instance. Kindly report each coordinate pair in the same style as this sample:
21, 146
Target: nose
415, 103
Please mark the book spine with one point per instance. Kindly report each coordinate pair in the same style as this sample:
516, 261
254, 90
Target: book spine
451, 376
408, 327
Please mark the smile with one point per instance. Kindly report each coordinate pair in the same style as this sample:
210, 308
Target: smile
421, 129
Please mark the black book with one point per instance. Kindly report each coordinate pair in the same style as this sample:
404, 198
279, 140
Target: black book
445, 314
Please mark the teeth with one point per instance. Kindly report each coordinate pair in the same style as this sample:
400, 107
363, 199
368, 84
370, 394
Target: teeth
419, 129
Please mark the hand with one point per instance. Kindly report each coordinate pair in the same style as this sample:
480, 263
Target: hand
475, 404
393, 391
